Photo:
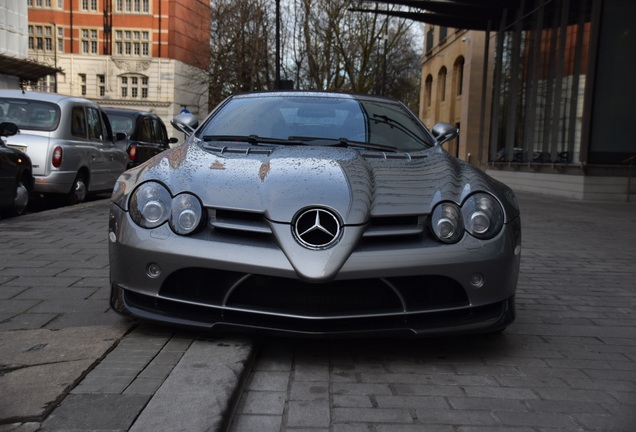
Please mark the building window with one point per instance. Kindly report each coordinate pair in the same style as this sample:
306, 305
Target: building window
429, 39
458, 72
40, 3
443, 33
40, 38
89, 41
89, 5
133, 6
428, 88
134, 86
60, 40
132, 43
441, 84
82, 78
124, 86
101, 85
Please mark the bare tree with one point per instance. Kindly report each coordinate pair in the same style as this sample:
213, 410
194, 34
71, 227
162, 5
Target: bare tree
337, 49
240, 48
324, 45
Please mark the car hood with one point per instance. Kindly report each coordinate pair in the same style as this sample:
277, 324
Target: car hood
281, 181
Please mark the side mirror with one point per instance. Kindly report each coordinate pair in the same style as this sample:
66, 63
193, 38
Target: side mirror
120, 136
186, 123
8, 129
444, 132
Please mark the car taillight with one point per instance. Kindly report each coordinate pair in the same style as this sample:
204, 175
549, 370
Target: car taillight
56, 160
132, 153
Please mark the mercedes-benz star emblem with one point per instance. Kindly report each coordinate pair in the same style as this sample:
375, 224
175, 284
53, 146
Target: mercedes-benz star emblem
317, 228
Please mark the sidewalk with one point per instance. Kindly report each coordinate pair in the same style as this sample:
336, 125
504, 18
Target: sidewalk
59, 340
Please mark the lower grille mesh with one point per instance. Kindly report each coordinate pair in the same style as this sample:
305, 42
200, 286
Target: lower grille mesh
293, 297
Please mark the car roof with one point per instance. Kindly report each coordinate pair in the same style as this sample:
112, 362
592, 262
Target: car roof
323, 94
127, 111
41, 96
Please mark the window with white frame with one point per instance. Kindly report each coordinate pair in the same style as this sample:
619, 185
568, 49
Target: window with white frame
89, 5
133, 86
89, 41
133, 6
40, 38
60, 40
82, 79
101, 85
132, 43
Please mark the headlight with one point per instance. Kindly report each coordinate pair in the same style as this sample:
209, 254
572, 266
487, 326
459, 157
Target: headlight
446, 222
150, 205
186, 214
483, 216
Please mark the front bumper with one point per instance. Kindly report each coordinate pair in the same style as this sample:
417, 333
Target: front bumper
483, 319
157, 275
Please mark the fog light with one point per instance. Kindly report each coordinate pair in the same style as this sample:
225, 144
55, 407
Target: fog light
477, 280
153, 270
112, 237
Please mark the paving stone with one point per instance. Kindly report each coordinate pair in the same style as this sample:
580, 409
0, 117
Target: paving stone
315, 413
95, 412
264, 403
371, 415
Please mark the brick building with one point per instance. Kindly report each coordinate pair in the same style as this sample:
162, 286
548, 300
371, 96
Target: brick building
141, 54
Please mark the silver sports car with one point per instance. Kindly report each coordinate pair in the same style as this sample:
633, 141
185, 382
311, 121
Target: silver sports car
315, 214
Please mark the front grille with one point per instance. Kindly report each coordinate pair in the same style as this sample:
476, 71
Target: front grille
239, 223
282, 296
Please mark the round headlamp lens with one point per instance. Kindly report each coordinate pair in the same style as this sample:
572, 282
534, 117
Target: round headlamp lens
483, 215
149, 205
446, 222
186, 214
480, 222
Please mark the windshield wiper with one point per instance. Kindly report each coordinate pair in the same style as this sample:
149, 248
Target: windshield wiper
299, 140
342, 142
396, 124
250, 139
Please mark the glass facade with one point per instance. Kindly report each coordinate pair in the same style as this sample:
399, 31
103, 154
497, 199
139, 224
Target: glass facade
563, 86
541, 64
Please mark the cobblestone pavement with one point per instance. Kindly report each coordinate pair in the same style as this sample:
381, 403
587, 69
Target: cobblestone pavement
69, 363
568, 363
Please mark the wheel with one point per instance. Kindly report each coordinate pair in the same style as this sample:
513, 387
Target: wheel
78, 191
22, 196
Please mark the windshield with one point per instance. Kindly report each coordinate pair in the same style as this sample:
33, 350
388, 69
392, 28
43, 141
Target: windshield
121, 122
30, 114
296, 117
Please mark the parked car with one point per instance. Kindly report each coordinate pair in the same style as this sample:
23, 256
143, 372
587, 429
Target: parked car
16, 179
143, 134
315, 214
69, 141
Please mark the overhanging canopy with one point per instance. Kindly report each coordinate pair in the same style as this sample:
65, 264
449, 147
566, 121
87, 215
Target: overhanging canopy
474, 14
25, 69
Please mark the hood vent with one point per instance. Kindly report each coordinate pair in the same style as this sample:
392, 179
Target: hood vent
392, 156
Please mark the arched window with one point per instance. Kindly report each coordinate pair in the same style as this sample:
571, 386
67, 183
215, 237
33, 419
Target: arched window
441, 84
428, 90
458, 72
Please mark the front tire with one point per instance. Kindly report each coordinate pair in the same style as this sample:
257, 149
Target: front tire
21, 201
